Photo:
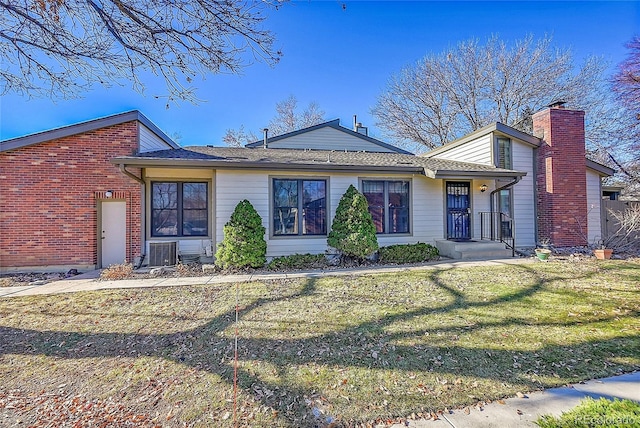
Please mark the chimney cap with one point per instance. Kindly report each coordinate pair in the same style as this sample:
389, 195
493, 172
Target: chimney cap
557, 104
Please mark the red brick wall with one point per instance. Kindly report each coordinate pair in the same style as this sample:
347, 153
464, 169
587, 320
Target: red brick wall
49, 194
561, 177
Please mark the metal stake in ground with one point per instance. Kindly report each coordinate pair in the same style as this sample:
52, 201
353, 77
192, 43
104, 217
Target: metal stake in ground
235, 362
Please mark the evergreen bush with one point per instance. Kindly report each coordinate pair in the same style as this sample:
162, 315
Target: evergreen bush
298, 261
353, 232
243, 244
408, 253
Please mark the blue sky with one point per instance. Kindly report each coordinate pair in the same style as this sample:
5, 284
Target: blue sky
339, 58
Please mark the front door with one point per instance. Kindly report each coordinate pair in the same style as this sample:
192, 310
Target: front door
458, 210
113, 236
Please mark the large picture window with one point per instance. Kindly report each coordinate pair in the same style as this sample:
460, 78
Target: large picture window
179, 209
388, 204
299, 207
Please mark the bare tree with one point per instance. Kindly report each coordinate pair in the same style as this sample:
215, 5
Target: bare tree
238, 137
616, 124
60, 48
626, 82
614, 140
466, 87
288, 118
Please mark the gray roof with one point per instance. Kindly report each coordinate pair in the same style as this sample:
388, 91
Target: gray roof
335, 124
311, 160
78, 128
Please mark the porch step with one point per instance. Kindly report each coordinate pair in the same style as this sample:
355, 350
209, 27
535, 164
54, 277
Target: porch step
468, 250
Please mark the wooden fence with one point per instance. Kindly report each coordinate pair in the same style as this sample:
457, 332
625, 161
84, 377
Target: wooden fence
609, 223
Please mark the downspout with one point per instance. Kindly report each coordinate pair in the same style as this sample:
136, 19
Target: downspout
534, 168
140, 180
506, 186
123, 170
492, 204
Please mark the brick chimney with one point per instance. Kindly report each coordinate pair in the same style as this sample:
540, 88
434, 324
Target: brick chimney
561, 176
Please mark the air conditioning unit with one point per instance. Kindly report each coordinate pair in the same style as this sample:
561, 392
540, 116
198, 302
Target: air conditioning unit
162, 253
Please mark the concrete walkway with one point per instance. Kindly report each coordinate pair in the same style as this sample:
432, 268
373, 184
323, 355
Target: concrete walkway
522, 412
515, 412
89, 281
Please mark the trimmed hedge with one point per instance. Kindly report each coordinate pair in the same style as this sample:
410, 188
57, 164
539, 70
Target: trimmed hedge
408, 253
298, 261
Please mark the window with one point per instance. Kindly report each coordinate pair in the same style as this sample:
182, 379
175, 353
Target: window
299, 207
179, 209
505, 207
504, 201
504, 154
388, 204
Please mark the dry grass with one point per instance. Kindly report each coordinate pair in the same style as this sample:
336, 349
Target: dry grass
347, 350
117, 272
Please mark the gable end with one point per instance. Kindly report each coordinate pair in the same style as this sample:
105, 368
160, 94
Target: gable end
333, 124
91, 125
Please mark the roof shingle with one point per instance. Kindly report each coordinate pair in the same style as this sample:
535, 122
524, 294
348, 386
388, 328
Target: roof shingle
231, 157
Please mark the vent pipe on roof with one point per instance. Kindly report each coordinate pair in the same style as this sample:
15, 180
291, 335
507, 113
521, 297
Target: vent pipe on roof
265, 141
358, 127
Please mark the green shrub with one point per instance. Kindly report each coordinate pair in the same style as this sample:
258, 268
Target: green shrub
298, 261
353, 232
596, 413
243, 244
408, 253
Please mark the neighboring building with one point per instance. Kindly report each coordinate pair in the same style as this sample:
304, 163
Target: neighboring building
64, 205
494, 184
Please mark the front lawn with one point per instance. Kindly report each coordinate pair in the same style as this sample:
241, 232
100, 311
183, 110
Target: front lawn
347, 350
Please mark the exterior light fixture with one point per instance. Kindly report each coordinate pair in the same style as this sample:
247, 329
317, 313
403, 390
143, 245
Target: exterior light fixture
483, 188
108, 194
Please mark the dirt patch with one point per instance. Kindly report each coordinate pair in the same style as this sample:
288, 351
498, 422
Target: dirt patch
18, 279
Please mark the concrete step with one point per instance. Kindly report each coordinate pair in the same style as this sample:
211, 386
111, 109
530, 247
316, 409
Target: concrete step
466, 250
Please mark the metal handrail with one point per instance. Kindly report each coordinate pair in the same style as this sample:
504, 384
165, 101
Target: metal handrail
497, 226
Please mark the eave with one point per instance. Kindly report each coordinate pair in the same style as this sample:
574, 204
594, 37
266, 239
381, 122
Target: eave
136, 162
603, 170
281, 166
495, 175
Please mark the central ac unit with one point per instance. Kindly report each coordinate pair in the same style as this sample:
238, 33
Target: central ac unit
162, 253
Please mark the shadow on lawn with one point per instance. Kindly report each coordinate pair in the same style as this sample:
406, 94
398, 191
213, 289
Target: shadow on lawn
349, 347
